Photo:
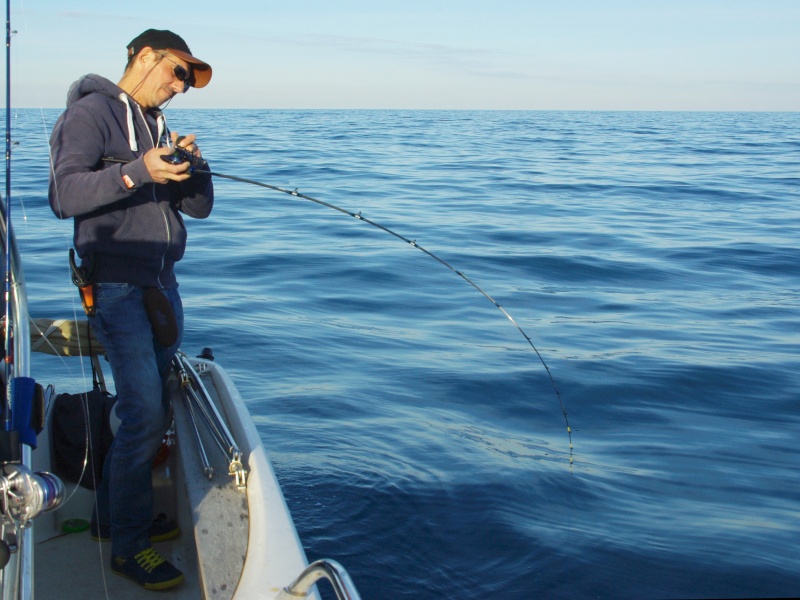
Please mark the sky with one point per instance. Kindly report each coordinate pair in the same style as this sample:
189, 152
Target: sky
722, 55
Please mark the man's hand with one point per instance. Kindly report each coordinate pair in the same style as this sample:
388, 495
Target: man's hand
160, 170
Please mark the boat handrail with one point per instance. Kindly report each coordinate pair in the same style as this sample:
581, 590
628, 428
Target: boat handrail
324, 568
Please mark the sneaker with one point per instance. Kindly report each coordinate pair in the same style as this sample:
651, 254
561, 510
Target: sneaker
148, 568
162, 529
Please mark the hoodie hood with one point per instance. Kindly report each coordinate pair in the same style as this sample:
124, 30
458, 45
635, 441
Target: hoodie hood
92, 84
96, 84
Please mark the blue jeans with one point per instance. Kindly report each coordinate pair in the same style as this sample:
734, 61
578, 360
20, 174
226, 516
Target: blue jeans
140, 367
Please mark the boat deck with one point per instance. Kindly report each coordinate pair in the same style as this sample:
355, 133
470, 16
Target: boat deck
212, 515
75, 566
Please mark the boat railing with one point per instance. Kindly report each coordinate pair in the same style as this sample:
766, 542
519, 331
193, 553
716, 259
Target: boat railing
200, 406
328, 569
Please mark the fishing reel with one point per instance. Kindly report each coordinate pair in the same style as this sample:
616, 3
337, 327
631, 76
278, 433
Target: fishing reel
181, 155
25, 494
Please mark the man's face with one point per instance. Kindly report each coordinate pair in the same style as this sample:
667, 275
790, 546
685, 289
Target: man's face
167, 78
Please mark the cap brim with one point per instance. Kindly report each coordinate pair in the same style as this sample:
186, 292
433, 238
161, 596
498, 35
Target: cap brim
200, 69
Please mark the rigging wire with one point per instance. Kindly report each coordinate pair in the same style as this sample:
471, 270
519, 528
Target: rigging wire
414, 243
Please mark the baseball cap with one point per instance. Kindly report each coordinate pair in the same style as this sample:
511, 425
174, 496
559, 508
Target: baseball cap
162, 39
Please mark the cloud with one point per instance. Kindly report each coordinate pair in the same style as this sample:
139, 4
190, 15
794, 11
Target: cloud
466, 60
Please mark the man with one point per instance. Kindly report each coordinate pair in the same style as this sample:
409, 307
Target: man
109, 174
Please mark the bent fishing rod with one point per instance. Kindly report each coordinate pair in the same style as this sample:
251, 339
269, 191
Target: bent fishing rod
200, 166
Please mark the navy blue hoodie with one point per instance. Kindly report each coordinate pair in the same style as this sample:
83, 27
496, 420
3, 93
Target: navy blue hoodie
128, 229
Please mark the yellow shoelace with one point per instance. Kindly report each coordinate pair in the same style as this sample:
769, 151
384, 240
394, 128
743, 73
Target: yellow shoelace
149, 559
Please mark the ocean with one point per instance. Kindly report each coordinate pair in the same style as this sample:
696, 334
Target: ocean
652, 258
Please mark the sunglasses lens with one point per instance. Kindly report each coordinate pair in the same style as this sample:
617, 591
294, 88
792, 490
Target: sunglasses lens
181, 74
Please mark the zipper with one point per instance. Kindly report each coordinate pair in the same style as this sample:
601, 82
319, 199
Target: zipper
164, 216
169, 236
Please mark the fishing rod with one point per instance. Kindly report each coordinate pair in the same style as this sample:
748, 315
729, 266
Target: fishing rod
200, 166
7, 249
24, 494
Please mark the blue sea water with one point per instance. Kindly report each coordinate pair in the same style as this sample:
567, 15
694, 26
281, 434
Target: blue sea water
652, 258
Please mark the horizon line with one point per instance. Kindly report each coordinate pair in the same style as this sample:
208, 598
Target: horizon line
619, 110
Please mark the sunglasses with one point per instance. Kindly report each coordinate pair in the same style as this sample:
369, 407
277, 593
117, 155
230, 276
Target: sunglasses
181, 74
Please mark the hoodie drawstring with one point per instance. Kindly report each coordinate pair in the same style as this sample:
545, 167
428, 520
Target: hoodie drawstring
131, 130
162, 129
161, 120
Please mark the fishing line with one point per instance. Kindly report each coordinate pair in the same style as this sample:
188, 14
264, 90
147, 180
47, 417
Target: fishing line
441, 261
410, 242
